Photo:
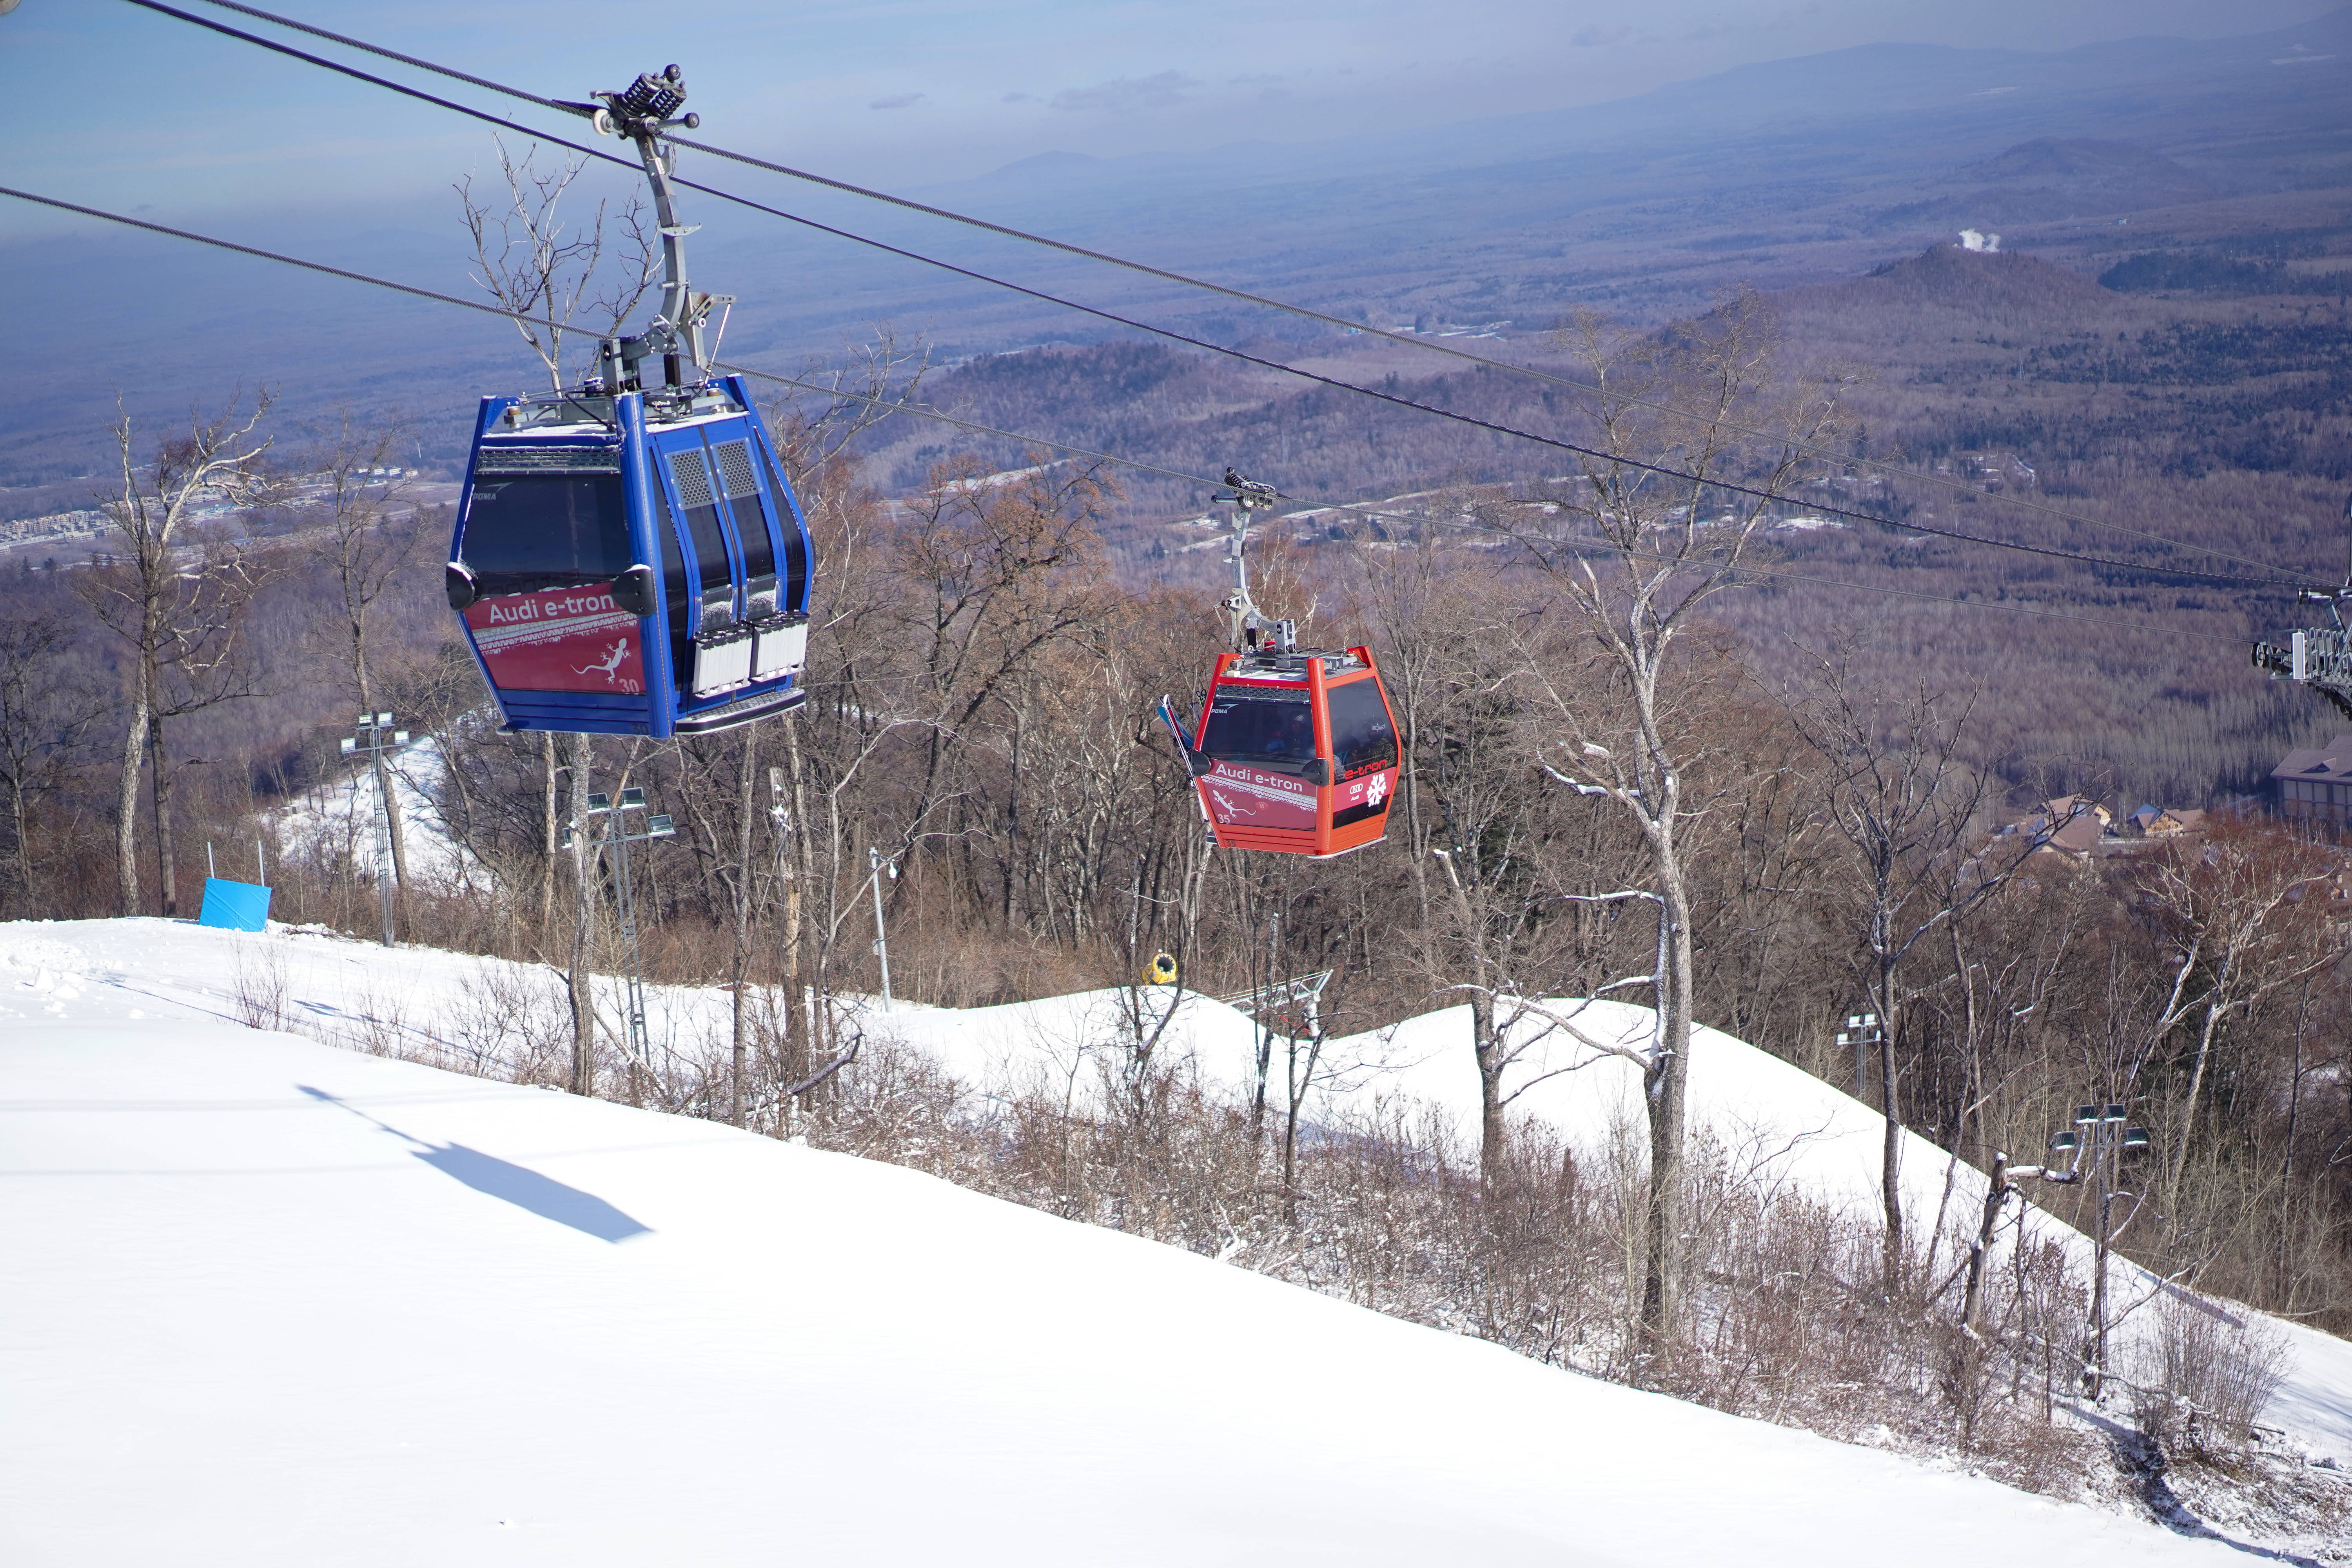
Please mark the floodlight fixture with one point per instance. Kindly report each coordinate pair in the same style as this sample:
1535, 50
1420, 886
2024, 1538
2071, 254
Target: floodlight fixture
2118, 1112
632, 796
2064, 1143
347, 746
600, 801
660, 826
2134, 1138
2085, 1115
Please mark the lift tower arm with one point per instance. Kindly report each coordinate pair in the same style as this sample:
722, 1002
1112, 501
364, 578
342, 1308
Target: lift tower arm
1252, 631
2320, 657
642, 114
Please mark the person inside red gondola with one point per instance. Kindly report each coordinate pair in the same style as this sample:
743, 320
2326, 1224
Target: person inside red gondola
1294, 738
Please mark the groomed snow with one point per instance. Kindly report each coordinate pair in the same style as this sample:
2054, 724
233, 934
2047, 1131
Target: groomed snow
264, 1302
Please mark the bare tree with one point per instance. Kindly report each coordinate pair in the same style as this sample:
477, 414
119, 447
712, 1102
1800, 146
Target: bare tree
541, 271
865, 384
999, 568
366, 538
579, 974
45, 717
175, 592
2242, 920
1645, 535
544, 274
1496, 856
1906, 807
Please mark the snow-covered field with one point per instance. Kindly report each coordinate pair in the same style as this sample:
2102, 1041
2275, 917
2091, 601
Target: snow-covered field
264, 1302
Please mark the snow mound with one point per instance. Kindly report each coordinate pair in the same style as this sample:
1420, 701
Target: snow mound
168, 1240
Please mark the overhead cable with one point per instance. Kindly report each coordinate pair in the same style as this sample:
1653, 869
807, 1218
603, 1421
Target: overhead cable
894, 406
1410, 340
502, 313
1729, 487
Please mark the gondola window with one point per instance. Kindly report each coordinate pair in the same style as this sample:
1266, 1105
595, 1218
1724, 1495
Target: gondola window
547, 531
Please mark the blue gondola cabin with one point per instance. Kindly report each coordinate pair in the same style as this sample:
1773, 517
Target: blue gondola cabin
632, 564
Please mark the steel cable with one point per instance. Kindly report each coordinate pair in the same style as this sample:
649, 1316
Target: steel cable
919, 411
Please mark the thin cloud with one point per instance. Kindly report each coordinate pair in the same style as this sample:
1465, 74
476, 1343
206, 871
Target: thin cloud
903, 100
1130, 95
1599, 36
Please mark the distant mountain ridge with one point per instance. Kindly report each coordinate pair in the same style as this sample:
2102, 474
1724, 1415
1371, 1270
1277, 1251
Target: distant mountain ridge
1767, 97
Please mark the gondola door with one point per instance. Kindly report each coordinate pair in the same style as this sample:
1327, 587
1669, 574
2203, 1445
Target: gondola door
708, 655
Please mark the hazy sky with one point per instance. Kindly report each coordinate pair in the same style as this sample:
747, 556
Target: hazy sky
124, 108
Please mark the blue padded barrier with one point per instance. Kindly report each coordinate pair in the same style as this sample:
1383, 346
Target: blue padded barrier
235, 905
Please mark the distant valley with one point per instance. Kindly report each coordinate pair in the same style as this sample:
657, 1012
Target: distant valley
2156, 327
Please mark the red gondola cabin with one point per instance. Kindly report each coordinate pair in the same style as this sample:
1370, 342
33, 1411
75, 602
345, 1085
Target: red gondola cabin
1296, 752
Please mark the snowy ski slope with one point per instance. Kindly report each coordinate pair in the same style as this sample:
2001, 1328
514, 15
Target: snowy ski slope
265, 1302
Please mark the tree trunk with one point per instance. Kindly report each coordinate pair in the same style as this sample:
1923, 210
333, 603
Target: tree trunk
1968, 1355
2286, 1169
167, 875
1664, 1086
1890, 1163
126, 808
1972, 1294
800, 866
391, 797
384, 789
24, 860
392, 807
740, 966
2189, 1105
583, 971
547, 825
1489, 1049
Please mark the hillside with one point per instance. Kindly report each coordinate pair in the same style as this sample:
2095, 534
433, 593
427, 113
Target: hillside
302, 1299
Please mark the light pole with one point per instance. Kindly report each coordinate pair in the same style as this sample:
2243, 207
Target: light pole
2094, 1153
1861, 1032
618, 834
374, 736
